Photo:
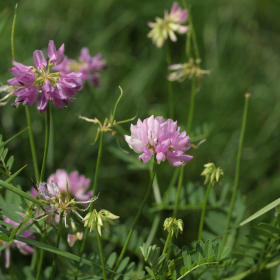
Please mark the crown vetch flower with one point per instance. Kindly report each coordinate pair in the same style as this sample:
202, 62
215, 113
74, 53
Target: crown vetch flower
77, 184
39, 84
23, 247
171, 23
89, 67
159, 137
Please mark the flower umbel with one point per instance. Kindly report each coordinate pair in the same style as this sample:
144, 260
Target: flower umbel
186, 70
173, 226
163, 138
50, 194
100, 219
171, 23
38, 84
211, 173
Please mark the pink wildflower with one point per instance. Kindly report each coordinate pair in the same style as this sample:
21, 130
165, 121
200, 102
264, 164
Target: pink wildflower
38, 84
171, 23
23, 247
159, 137
89, 67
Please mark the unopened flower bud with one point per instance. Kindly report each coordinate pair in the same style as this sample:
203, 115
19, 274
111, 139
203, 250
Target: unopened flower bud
173, 225
211, 173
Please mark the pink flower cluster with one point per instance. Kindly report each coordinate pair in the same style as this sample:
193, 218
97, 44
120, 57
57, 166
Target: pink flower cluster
40, 85
159, 137
87, 65
23, 247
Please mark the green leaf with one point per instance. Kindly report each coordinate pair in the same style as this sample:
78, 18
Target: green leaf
218, 251
15, 174
270, 228
261, 212
2, 144
5, 237
150, 272
208, 248
225, 253
252, 247
201, 261
186, 257
262, 232
111, 260
199, 251
4, 154
184, 270
210, 258
10, 162
256, 238
123, 264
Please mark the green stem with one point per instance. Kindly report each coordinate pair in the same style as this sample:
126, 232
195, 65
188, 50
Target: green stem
166, 244
237, 171
56, 246
101, 256
170, 89
136, 218
180, 182
38, 275
192, 102
203, 212
170, 186
195, 45
11, 271
47, 139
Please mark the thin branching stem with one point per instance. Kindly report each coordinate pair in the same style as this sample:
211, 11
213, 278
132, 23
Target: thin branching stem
101, 256
238, 163
136, 218
170, 88
41, 257
180, 182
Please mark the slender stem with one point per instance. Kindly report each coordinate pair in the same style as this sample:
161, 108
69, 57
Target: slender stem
153, 229
56, 246
38, 275
170, 89
136, 218
47, 139
203, 211
166, 243
180, 182
238, 161
13, 33
196, 51
101, 256
192, 102
94, 186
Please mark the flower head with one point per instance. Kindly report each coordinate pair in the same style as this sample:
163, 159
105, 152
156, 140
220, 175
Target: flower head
173, 226
211, 173
87, 65
186, 70
37, 84
159, 137
100, 219
171, 23
21, 246
77, 184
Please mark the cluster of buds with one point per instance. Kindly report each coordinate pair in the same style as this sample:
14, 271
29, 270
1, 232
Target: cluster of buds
173, 226
89, 67
186, 70
51, 195
100, 219
171, 23
39, 84
211, 173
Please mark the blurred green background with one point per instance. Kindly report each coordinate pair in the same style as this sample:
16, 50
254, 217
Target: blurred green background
238, 41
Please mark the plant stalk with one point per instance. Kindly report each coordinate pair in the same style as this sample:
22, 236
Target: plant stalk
169, 85
238, 163
136, 218
101, 256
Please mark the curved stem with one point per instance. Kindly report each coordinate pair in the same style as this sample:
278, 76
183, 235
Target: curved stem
56, 246
166, 243
101, 256
203, 212
136, 218
180, 182
238, 161
46, 143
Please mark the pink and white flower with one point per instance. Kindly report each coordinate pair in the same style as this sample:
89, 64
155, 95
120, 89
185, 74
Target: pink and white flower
159, 137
